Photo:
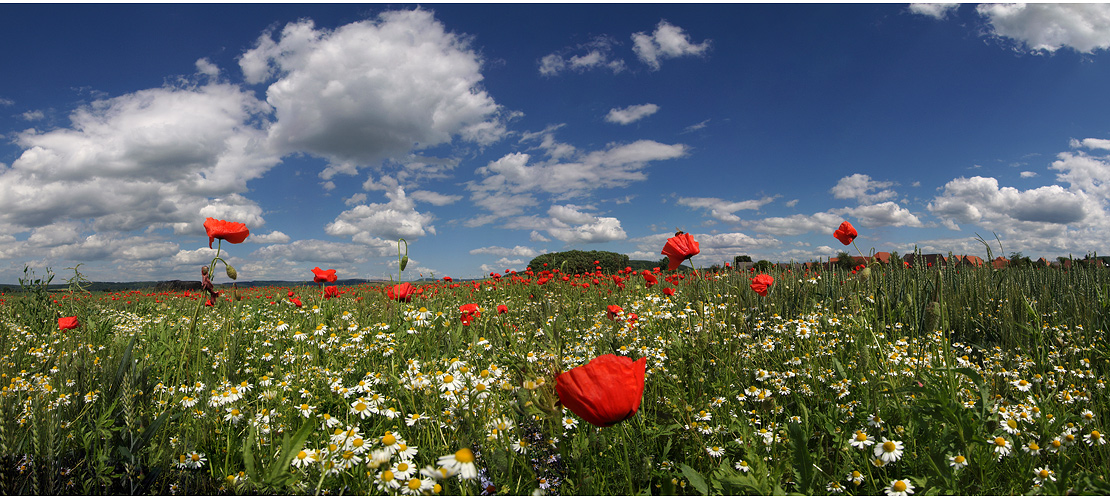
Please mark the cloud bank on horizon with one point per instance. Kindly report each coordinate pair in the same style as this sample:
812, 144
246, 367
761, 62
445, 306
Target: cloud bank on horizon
332, 140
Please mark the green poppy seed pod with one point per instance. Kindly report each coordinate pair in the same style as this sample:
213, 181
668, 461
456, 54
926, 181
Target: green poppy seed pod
404, 261
865, 272
231, 271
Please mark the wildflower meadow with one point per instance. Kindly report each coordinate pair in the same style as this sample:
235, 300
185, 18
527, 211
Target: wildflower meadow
878, 380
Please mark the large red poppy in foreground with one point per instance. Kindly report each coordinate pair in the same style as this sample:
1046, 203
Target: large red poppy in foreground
679, 248
320, 275
605, 391
845, 233
233, 232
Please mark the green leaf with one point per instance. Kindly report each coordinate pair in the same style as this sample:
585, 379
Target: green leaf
248, 453
289, 449
696, 479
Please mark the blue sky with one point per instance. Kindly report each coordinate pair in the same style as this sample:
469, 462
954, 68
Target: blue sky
488, 134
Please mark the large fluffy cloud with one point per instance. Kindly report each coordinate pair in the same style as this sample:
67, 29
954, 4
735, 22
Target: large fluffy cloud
370, 223
1049, 26
979, 200
152, 157
373, 89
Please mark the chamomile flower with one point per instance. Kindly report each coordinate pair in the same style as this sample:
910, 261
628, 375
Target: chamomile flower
742, 466
1011, 426
391, 442
1032, 448
715, 451
889, 451
450, 382
957, 462
1094, 438
306, 409
899, 488
856, 477
416, 486
415, 418
874, 420
1022, 385
461, 462
405, 451
195, 460
861, 440
1042, 474
1001, 446
386, 481
403, 470
233, 415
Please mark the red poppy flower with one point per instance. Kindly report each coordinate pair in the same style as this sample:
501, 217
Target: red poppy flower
447, 279
402, 292
845, 233
466, 319
320, 275
668, 291
331, 291
296, 301
502, 309
68, 323
679, 248
233, 232
760, 284
605, 391
650, 279
614, 311
471, 309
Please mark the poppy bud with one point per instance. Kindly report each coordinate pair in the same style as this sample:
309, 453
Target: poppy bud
231, 271
404, 261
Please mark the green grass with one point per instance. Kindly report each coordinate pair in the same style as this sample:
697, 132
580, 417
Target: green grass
744, 394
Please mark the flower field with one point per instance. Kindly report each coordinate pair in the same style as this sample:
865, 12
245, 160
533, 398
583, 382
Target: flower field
881, 380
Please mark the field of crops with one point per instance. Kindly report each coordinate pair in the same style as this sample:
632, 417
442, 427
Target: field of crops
879, 380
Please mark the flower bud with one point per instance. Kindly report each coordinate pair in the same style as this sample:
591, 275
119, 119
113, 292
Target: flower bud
231, 271
404, 261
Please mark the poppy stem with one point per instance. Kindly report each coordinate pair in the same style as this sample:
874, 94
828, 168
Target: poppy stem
627, 459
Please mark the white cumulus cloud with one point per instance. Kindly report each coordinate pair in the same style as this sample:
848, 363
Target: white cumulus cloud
863, 188
631, 114
373, 89
934, 10
667, 41
1085, 27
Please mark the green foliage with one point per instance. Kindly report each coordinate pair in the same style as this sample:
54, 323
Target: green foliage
763, 266
578, 261
745, 395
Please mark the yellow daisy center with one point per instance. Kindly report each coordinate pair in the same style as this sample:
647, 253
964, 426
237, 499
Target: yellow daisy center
889, 446
464, 455
1000, 441
414, 484
898, 486
387, 475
